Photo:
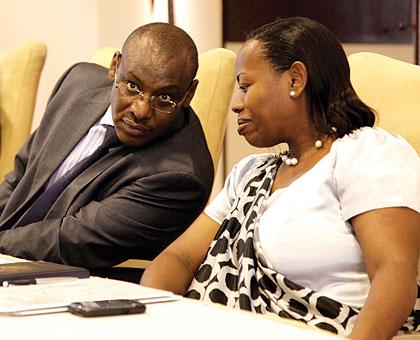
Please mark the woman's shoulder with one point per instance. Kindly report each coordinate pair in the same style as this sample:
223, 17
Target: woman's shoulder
374, 169
374, 141
373, 150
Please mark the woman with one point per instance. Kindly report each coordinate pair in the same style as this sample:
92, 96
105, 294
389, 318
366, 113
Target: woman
327, 232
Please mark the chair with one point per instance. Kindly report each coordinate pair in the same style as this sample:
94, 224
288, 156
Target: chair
391, 87
216, 75
20, 70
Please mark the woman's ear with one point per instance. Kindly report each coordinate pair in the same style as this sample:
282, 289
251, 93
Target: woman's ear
115, 63
298, 78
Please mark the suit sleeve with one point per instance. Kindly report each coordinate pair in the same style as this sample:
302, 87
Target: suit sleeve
12, 178
138, 221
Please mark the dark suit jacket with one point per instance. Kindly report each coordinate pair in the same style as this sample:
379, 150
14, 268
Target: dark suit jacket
130, 204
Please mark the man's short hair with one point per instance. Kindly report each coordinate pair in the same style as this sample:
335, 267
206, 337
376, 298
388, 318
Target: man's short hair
172, 40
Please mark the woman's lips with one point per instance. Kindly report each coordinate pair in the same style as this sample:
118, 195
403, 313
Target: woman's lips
134, 128
243, 125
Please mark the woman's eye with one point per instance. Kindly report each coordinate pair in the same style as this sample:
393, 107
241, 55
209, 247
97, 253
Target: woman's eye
132, 87
165, 98
243, 88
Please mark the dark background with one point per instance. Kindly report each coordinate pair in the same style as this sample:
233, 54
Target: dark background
353, 21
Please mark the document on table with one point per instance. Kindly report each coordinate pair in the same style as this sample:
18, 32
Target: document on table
9, 259
56, 296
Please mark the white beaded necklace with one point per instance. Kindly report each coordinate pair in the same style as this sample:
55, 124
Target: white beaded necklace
288, 159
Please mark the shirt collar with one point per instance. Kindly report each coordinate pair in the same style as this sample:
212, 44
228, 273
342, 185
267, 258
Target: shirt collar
107, 117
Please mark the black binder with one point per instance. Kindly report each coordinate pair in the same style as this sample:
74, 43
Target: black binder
21, 271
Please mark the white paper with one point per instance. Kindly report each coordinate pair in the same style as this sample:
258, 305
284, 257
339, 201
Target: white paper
9, 259
16, 299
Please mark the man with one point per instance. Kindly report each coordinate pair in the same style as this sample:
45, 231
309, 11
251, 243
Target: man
140, 196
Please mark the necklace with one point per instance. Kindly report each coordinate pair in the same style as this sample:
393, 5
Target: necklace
288, 159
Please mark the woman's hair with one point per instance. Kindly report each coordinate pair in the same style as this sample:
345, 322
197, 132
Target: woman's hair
333, 101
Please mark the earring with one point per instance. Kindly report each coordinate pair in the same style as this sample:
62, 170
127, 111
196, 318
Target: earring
292, 93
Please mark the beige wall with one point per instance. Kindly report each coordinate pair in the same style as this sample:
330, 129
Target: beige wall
203, 19
73, 31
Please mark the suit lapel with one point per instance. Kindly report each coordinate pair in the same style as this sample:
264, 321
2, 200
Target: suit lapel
66, 199
65, 135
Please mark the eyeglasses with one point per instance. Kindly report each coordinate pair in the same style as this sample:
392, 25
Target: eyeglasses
161, 102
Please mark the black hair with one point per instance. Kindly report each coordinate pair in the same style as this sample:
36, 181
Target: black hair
171, 41
333, 101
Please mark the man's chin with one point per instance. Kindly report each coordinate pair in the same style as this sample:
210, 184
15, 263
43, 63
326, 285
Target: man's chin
133, 136
135, 142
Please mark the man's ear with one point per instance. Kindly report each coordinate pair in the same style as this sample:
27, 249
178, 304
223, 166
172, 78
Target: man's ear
191, 93
298, 77
115, 63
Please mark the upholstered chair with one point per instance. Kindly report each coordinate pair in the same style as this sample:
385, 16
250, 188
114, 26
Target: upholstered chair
20, 70
392, 88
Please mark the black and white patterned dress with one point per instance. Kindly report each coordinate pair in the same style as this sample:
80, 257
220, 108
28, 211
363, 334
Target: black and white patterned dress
237, 273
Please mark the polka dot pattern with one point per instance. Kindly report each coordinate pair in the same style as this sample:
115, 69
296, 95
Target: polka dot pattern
236, 272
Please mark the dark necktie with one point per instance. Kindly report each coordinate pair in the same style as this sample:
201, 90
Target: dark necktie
39, 208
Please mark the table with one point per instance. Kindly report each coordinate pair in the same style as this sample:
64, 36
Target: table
184, 319
181, 319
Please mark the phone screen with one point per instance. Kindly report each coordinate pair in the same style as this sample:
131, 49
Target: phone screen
106, 307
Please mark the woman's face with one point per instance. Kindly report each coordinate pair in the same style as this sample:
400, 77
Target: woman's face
263, 103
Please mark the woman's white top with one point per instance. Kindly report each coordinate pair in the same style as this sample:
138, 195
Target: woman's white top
304, 228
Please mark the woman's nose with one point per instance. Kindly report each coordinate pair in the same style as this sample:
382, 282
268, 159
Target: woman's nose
237, 106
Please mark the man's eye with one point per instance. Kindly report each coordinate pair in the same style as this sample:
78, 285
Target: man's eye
132, 87
164, 98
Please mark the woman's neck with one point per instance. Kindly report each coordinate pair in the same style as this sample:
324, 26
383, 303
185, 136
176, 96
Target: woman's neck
309, 156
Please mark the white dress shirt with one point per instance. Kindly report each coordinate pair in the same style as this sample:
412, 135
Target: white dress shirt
87, 145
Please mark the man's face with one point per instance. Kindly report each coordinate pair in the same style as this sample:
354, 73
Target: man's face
162, 80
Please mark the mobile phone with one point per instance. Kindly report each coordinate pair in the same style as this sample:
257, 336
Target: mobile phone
106, 307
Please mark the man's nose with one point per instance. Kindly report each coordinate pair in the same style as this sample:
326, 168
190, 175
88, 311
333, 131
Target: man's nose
141, 108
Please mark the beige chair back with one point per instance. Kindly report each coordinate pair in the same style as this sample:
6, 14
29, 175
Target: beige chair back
20, 70
392, 88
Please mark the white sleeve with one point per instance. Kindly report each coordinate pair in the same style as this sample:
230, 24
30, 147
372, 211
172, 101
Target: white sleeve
237, 178
376, 169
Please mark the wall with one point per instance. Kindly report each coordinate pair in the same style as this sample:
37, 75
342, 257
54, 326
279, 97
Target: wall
202, 19
73, 31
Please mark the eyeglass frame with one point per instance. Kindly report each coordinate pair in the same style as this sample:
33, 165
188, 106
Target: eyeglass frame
143, 97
